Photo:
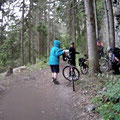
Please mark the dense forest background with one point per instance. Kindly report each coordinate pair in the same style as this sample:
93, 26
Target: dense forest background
28, 28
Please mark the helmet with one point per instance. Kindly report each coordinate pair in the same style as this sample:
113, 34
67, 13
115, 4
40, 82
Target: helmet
72, 43
109, 49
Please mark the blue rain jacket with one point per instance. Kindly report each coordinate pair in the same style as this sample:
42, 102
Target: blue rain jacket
55, 54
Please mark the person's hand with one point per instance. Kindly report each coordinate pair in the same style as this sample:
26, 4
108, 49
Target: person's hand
66, 51
118, 62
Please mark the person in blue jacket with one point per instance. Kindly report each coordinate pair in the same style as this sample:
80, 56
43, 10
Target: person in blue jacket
54, 60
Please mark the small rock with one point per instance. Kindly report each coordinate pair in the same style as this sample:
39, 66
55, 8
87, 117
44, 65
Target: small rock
75, 105
78, 103
85, 92
42, 112
100, 92
91, 108
40, 68
101, 119
104, 89
2, 88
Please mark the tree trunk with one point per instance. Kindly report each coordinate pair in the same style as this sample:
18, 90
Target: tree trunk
91, 37
39, 46
111, 23
96, 20
22, 34
116, 9
1, 27
78, 30
77, 25
107, 24
45, 42
73, 20
30, 29
48, 37
9, 71
34, 39
54, 25
37, 18
45, 38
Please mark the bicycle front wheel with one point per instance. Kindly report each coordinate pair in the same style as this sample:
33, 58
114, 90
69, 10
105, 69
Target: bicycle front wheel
68, 76
73, 84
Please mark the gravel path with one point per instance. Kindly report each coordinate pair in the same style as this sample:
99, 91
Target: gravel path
32, 96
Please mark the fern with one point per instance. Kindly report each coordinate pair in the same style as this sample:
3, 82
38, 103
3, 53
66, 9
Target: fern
109, 102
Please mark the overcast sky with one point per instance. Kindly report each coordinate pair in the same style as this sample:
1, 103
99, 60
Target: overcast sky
16, 10
15, 7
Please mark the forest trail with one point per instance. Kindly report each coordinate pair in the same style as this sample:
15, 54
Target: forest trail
32, 96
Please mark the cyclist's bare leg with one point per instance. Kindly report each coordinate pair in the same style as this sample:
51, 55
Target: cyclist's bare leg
55, 76
52, 75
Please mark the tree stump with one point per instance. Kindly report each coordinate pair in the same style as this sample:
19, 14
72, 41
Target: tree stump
9, 71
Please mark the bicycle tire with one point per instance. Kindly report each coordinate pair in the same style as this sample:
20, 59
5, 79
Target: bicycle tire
67, 77
104, 65
84, 71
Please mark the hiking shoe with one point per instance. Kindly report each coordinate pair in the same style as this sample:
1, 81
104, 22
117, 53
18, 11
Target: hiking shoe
56, 82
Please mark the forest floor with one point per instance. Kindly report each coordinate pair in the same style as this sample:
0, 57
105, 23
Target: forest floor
31, 95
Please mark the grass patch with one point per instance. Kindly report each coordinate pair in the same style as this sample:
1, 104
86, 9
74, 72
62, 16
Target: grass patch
42, 63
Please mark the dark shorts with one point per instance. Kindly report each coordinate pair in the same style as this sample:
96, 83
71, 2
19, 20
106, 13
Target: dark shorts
54, 68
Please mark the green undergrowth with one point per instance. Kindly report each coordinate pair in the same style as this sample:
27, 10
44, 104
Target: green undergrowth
42, 63
108, 100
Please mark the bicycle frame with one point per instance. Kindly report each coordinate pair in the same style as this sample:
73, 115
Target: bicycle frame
73, 73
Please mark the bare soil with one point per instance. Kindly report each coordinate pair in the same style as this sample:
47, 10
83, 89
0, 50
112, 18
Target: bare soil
31, 95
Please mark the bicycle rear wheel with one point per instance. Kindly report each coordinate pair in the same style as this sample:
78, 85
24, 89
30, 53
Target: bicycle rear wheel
104, 65
84, 70
67, 75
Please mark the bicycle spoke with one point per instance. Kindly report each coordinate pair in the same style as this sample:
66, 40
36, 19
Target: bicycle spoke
68, 74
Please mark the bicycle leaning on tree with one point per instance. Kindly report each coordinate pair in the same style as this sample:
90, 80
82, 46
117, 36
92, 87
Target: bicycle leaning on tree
104, 62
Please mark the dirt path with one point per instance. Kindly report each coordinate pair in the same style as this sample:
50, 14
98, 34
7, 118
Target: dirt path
32, 96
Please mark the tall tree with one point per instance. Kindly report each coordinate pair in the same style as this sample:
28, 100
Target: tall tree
48, 36
34, 38
111, 23
30, 28
91, 37
1, 19
54, 20
96, 19
22, 32
74, 20
107, 24
1, 26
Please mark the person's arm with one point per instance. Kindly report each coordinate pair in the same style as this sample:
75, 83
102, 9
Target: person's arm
116, 59
77, 53
59, 52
